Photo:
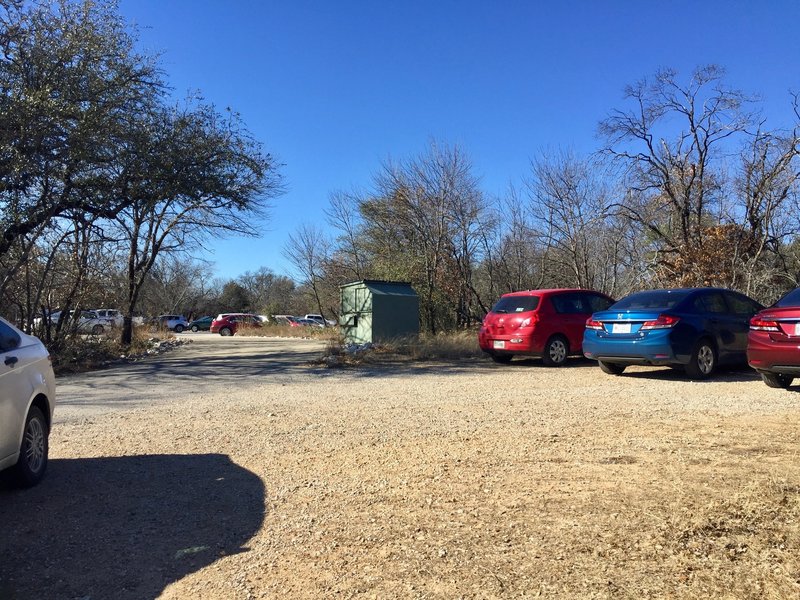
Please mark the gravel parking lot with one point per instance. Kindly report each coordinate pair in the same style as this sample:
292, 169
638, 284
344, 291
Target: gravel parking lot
233, 468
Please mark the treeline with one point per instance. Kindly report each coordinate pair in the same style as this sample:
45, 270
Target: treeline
101, 175
689, 188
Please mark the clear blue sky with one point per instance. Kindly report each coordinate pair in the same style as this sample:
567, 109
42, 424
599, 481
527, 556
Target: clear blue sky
334, 88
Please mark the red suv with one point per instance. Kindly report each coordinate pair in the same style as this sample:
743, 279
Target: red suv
540, 323
229, 323
773, 342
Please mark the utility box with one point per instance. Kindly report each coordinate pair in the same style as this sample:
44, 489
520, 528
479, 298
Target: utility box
374, 311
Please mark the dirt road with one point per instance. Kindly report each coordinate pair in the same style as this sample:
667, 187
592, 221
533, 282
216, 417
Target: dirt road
232, 468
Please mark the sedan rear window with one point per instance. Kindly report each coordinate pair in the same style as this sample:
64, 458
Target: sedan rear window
516, 304
790, 299
652, 300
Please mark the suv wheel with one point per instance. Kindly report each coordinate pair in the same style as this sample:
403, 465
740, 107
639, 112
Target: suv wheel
97, 330
178, 328
503, 359
195, 329
555, 351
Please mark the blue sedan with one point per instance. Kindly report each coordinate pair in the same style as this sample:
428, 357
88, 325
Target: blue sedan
694, 328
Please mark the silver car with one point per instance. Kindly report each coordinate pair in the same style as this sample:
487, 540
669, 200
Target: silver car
27, 401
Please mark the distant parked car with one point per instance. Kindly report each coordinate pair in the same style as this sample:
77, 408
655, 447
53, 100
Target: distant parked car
320, 320
88, 321
285, 320
540, 323
112, 315
773, 342
693, 328
27, 401
176, 323
201, 324
228, 324
303, 322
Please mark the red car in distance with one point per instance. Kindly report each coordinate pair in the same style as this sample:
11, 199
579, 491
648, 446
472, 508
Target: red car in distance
229, 323
539, 323
773, 342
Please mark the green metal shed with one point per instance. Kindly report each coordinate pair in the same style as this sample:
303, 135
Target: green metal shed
374, 311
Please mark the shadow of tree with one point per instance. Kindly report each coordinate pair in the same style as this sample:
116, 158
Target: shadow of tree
124, 527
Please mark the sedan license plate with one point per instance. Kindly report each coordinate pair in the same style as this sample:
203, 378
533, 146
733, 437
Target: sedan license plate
797, 328
499, 344
620, 328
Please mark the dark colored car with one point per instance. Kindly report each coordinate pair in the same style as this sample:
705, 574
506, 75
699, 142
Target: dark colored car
201, 324
539, 323
693, 328
229, 323
773, 343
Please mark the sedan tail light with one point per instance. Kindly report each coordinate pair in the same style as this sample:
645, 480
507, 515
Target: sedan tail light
662, 322
760, 324
592, 324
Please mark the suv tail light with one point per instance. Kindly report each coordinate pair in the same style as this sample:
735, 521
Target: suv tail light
592, 324
760, 324
530, 321
662, 322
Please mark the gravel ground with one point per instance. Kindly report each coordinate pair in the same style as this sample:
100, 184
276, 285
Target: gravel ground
232, 468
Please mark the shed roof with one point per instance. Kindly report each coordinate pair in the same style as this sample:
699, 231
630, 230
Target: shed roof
386, 288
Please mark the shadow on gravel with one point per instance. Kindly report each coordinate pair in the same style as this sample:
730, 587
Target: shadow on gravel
392, 366
123, 527
723, 374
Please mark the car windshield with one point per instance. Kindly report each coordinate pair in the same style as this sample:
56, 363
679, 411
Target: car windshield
516, 304
651, 300
790, 299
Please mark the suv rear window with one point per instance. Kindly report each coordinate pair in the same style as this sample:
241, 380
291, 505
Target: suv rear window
516, 304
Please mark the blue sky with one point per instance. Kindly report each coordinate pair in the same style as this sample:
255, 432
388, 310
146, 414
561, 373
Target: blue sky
334, 88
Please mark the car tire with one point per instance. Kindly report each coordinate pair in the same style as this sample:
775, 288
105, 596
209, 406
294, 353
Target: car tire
556, 351
97, 330
32, 463
195, 329
611, 368
179, 328
502, 359
777, 380
703, 360
225, 331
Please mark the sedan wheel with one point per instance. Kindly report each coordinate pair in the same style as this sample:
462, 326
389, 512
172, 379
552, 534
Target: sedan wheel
777, 380
178, 328
33, 452
703, 361
195, 329
225, 331
611, 368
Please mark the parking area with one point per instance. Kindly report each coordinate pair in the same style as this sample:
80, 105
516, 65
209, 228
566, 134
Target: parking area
235, 468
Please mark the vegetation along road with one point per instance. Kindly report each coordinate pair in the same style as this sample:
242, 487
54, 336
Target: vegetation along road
233, 468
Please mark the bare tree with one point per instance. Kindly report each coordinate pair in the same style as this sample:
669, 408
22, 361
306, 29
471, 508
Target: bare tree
675, 181
308, 249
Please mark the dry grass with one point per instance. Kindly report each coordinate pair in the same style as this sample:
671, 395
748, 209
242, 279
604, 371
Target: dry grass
271, 330
444, 346
86, 353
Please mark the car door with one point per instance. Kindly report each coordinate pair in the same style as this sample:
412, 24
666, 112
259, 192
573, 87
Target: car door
15, 390
719, 322
742, 310
572, 315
